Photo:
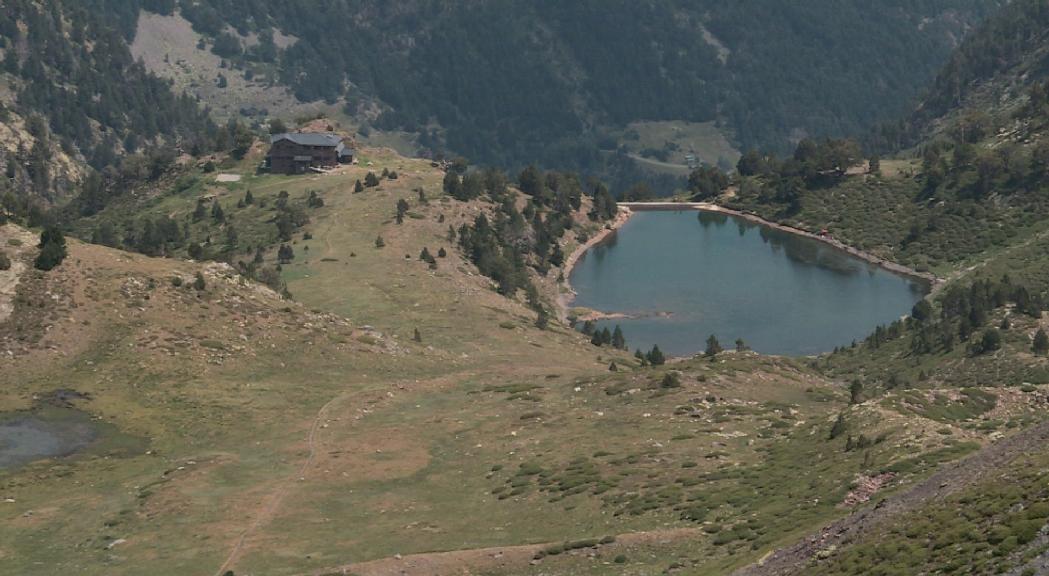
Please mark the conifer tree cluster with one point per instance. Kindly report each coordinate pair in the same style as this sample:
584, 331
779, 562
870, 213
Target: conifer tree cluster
963, 312
510, 242
76, 70
427, 257
653, 357
604, 337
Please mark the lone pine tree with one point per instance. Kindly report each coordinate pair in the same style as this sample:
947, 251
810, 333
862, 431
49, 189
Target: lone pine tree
52, 249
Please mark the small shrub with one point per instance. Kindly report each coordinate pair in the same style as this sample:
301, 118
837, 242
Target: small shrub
554, 549
670, 380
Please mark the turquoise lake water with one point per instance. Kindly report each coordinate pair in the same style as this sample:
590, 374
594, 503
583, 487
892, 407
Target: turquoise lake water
682, 276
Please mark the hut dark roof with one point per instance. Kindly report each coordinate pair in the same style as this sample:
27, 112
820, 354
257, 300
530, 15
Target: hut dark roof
308, 138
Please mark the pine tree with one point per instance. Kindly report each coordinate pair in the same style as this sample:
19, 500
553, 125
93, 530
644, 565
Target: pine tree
425, 255
216, 212
402, 209
641, 358
838, 428
52, 249
379, 242
713, 347
922, 311
358, 187
855, 392
741, 346
285, 254
655, 356
418, 337
990, 341
557, 256
1041, 342
542, 319
589, 327
199, 283
618, 341
595, 339
452, 185
371, 180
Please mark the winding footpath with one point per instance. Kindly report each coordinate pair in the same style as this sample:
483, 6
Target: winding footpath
269, 510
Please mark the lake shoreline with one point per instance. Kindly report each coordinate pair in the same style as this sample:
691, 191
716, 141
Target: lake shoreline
896, 268
566, 294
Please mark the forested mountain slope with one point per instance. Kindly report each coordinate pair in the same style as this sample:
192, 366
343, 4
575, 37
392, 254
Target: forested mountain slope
987, 76
969, 175
419, 407
72, 97
512, 82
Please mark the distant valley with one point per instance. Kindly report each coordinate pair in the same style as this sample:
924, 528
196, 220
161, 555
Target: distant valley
374, 288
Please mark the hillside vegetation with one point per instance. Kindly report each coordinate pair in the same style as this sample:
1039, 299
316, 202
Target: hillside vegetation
417, 400
369, 370
415, 67
71, 96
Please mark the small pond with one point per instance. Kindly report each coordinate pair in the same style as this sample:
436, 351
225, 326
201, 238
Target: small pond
50, 431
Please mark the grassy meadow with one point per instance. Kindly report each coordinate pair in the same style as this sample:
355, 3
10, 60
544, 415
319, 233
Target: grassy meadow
317, 434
